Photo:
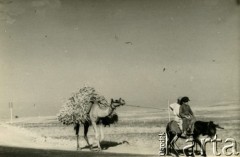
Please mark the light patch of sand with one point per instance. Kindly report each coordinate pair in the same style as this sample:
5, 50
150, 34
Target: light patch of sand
21, 137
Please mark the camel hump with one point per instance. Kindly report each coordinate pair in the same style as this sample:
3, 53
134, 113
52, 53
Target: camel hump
103, 105
100, 101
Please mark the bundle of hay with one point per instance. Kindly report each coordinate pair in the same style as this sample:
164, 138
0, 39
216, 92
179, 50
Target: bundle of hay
77, 107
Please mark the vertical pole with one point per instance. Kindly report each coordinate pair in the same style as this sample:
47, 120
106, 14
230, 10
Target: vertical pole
166, 144
168, 112
167, 151
11, 111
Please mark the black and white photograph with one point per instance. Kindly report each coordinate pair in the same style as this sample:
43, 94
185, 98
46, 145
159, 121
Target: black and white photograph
114, 78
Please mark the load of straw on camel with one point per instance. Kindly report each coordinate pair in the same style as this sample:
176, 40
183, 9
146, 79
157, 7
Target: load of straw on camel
77, 107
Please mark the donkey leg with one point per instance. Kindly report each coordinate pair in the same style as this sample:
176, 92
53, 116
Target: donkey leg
169, 146
175, 138
172, 143
202, 147
196, 147
197, 142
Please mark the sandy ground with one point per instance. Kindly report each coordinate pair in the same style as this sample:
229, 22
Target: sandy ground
6, 151
141, 133
15, 141
20, 137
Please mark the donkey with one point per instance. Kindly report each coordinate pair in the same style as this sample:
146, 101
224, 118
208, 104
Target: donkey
200, 128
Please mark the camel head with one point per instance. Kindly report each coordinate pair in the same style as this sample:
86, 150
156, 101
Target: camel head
117, 103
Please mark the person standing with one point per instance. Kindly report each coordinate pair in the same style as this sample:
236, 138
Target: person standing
187, 116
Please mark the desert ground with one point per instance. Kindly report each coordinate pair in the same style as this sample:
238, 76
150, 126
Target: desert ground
135, 133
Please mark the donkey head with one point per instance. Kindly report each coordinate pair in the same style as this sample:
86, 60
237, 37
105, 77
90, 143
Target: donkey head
212, 128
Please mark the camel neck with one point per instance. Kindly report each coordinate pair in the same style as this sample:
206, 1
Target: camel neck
110, 109
105, 112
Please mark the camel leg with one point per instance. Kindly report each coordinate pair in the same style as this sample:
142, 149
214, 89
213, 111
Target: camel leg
86, 126
96, 135
77, 128
77, 142
101, 132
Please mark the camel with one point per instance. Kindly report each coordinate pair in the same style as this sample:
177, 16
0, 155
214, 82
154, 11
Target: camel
96, 115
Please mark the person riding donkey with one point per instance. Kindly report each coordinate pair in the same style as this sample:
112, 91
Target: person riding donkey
175, 108
183, 115
187, 116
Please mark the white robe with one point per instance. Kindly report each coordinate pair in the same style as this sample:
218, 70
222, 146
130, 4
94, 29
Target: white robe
175, 108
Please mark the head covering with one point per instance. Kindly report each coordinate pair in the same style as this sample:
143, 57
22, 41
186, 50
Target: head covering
179, 100
184, 99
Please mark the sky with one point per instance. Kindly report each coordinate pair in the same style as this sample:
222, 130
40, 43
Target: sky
147, 52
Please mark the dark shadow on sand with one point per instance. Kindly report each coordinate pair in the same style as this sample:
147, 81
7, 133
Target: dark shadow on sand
107, 144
